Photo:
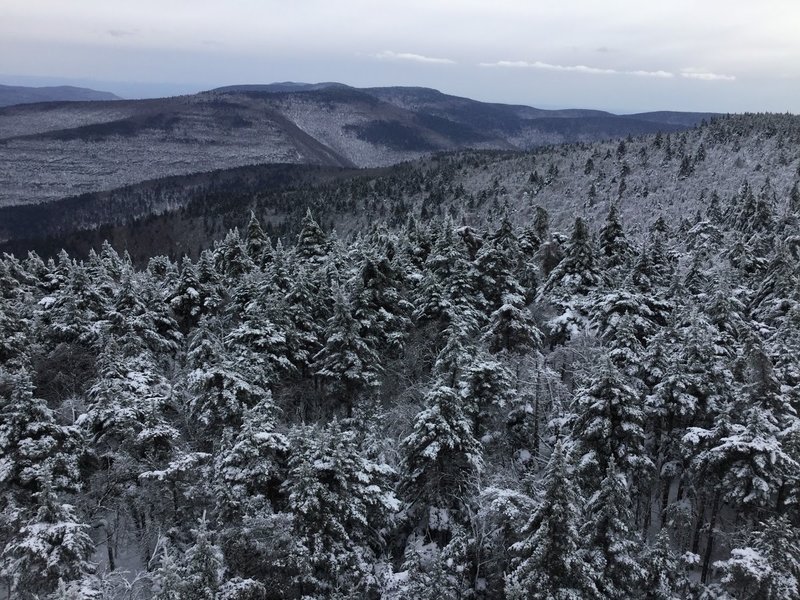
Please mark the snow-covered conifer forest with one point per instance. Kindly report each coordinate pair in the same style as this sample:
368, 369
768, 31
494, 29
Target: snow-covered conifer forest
540, 404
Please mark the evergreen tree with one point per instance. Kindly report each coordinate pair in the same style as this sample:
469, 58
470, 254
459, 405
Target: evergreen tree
304, 332
769, 567
380, 307
51, 544
541, 223
577, 273
34, 447
496, 263
433, 573
441, 456
448, 289
186, 299
653, 269
614, 247
312, 243
249, 468
347, 360
549, 563
612, 550
42, 539
609, 427
203, 566
230, 256
220, 387
664, 579
511, 328
257, 243
165, 569
340, 501
486, 384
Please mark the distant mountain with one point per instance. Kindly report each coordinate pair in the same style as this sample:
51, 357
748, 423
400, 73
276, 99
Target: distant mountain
280, 87
16, 94
688, 119
56, 150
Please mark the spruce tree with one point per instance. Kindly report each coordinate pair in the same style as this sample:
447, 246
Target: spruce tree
347, 360
380, 307
220, 387
578, 272
614, 247
340, 501
549, 564
440, 456
50, 545
203, 566
511, 328
249, 467
609, 426
312, 243
607, 531
256, 242
664, 577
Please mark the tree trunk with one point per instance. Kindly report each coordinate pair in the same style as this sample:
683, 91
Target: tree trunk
110, 553
701, 511
710, 543
781, 497
665, 485
535, 441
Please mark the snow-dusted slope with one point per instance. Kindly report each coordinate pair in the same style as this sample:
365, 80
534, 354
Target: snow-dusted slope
675, 175
54, 150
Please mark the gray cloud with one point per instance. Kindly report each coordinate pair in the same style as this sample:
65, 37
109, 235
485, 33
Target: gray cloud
523, 64
119, 33
692, 73
408, 56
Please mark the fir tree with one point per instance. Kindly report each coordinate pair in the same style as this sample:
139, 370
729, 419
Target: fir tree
249, 468
340, 501
441, 455
511, 328
614, 247
312, 242
230, 256
767, 568
256, 242
609, 427
577, 273
220, 387
51, 544
203, 566
347, 360
549, 563
612, 549
186, 299
380, 307
486, 384
664, 579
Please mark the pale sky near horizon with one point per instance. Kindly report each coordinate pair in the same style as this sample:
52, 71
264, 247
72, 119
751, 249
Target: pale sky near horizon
619, 55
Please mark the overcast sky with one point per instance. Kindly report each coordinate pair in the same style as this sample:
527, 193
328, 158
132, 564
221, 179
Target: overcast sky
620, 55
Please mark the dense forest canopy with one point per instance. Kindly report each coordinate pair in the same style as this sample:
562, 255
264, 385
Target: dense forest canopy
514, 407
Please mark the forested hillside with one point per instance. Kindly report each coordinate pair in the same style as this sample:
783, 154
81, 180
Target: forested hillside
584, 386
677, 175
50, 151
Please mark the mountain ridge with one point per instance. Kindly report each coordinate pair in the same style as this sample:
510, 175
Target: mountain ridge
63, 149
11, 95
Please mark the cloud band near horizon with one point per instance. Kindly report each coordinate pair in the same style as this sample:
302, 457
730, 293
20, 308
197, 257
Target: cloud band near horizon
411, 57
688, 73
